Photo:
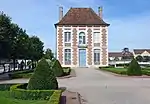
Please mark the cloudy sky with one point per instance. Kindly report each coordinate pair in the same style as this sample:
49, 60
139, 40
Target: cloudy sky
129, 19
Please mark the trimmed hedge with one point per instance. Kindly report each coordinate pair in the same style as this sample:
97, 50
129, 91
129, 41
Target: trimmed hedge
57, 68
55, 98
21, 74
43, 77
5, 87
19, 92
134, 68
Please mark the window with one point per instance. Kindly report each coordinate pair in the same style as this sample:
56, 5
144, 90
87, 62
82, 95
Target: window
82, 38
67, 56
67, 36
96, 37
96, 56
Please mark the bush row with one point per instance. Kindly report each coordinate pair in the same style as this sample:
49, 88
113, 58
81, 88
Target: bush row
5, 87
55, 98
19, 91
21, 74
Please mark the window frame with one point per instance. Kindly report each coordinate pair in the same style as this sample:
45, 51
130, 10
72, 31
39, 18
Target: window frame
96, 56
67, 56
96, 38
83, 38
66, 35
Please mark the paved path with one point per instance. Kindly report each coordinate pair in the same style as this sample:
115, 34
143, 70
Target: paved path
98, 87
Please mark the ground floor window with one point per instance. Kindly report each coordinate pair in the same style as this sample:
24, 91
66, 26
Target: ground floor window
96, 56
67, 56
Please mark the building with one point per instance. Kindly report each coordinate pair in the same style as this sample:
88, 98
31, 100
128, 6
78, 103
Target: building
141, 52
82, 38
117, 58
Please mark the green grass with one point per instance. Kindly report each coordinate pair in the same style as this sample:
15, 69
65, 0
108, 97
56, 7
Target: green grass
123, 71
6, 99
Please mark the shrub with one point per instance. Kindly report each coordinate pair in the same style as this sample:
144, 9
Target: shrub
66, 71
19, 92
57, 68
43, 78
55, 98
5, 87
134, 68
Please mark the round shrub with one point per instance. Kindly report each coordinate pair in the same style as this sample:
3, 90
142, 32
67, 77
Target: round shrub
134, 68
43, 78
57, 68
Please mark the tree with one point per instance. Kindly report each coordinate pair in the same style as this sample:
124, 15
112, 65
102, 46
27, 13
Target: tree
126, 54
5, 35
35, 49
43, 78
139, 58
48, 54
146, 58
134, 68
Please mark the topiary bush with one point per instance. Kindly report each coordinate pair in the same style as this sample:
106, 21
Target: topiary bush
134, 68
43, 77
57, 68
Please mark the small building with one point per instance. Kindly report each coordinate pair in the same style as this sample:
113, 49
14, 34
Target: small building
82, 38
141, 52
118, 58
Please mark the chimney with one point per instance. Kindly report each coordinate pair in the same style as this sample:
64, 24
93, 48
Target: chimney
60, 13
100, 10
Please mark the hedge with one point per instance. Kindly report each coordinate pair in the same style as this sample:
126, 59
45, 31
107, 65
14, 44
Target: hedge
5, 87
55, 98
19, 91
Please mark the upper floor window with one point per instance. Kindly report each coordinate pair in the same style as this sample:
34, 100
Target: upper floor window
96, 37
67, 36
82, 39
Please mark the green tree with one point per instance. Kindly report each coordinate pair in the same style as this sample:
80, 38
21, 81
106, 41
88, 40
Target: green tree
134, 68
43, 78
5, 35
139, 58
35, 49
48, 54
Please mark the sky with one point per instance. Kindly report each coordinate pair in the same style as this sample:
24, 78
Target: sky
129, 19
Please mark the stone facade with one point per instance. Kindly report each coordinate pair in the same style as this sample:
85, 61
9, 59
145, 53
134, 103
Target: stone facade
74, 46
104, 47
60, 45
89, 48
90, 45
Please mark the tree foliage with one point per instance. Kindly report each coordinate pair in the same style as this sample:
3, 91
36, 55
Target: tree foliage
48, 54
15, 43
139, 58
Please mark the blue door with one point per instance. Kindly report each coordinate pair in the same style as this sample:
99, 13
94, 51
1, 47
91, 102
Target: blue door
82, 57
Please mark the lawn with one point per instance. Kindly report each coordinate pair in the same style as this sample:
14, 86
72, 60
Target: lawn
6, 99
123, 71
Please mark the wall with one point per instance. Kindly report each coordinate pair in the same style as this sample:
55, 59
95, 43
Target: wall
75, 30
